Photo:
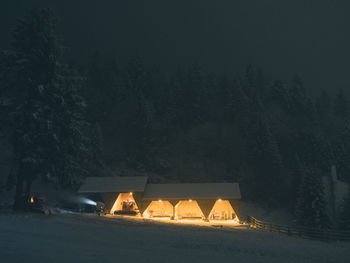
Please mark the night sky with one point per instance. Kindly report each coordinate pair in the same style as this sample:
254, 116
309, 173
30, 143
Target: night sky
310, 37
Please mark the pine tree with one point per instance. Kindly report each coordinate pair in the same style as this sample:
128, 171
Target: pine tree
211, 102
223, 98
297, 176
261, 84
341, 105
311, 207
239, 106
249, 84
102, 88
262, 149
46, 113
297, 93
323, 105
344, 213
266, 155
343, 154
298, 109
195, 96
138, 111
279, 95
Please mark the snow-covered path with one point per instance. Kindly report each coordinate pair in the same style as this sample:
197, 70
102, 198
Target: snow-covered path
74, 238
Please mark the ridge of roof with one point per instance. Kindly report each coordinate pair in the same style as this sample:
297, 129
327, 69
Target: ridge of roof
114, 184
192, 191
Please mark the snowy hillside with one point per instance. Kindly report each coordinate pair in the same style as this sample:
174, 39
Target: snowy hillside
74, 238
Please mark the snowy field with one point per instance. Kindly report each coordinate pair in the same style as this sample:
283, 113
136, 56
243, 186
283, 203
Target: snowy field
76, 238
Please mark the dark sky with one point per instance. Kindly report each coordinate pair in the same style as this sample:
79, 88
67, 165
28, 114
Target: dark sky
284, 37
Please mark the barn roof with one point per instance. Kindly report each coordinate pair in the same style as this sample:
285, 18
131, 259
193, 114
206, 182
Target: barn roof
192, 191
114, 184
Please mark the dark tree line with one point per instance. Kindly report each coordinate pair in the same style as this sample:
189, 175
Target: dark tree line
42, 113
270, 136
285, 140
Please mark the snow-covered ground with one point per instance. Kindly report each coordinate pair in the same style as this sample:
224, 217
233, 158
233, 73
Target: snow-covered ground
76, 238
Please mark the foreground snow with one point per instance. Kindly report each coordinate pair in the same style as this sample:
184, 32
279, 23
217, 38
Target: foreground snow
75, 238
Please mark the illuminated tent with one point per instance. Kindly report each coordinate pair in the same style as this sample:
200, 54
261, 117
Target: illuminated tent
212, 201
116, 192
159, 209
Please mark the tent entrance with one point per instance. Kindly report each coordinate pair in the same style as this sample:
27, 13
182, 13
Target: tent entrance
159, 209
188, 209
222, 210
125, 205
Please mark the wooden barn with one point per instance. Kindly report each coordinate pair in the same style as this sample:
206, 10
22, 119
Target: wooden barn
181, 201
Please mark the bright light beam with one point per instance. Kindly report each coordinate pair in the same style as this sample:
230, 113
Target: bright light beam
87, 201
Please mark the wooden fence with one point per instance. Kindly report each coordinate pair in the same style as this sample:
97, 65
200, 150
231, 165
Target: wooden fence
303, 232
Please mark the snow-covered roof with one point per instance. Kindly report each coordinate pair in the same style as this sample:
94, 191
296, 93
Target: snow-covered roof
192, 191
114, 184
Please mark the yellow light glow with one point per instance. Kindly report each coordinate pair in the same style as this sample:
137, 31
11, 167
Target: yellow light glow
190, 200
158, 209
31, 199
220, 200
118, 204
159, 200
222, 210
146, 214
188, 209
130, 193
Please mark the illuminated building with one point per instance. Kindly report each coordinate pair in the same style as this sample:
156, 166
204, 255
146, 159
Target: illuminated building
181, 201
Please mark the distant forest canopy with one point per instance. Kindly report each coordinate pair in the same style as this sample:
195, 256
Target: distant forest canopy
194, 126
189, 126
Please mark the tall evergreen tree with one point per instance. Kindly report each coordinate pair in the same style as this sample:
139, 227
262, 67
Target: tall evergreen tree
45, 114
261, 84
343, 154
266, 156
137, 111
176, 113
344, 213
298, 104
239, 105
279, 95
323, 105
195, 96
341, 105
223, 98
311, 206
249, 84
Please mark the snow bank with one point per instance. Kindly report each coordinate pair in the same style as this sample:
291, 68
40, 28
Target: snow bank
75, 238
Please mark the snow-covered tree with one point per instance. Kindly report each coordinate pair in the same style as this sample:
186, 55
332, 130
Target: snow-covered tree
249, 82
266, 155
341, 105
323, 105
45, 114
311, 206
342, 154
195, 96
344, 213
